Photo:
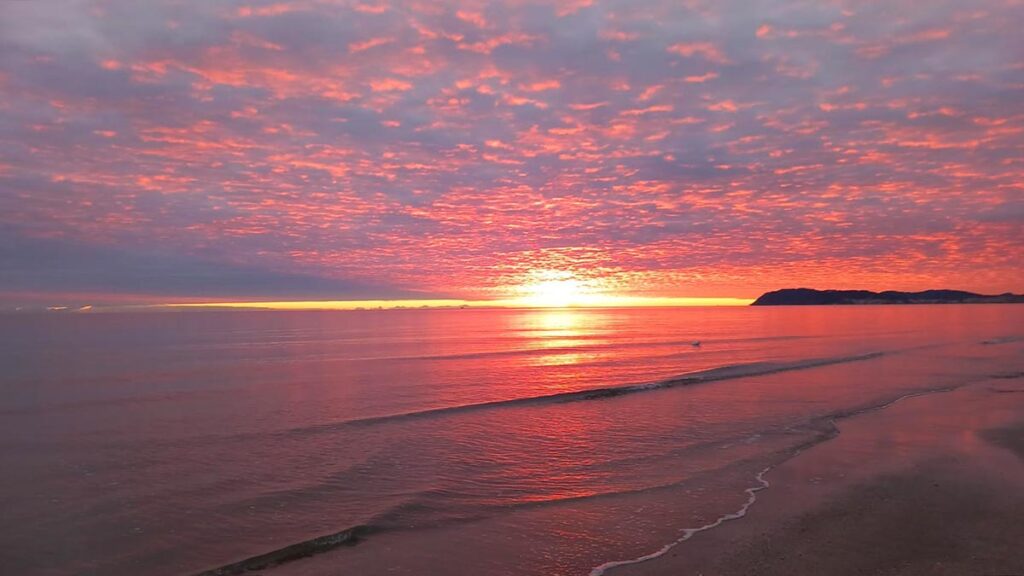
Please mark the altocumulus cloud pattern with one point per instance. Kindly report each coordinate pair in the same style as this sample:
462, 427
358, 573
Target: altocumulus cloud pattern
335, 148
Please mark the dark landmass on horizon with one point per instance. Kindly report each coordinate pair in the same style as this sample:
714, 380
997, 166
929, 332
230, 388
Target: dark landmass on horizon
812, 297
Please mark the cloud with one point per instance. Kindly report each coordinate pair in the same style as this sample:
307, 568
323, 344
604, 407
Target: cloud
705, 50
328, 148
35, 265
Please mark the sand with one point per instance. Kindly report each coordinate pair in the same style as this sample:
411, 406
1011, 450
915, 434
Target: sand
931, 486
1011, 438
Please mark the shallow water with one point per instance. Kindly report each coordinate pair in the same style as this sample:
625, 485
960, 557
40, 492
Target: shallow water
464, 441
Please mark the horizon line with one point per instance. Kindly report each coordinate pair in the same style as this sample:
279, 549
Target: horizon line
406, 304
448, 303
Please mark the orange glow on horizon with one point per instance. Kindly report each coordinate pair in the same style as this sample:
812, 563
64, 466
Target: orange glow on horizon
542, 288
556, 298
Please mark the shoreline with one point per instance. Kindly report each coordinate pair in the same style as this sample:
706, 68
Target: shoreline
889, 494
661, 555
763, 484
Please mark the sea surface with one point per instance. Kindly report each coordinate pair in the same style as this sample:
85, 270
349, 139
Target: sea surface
435, 441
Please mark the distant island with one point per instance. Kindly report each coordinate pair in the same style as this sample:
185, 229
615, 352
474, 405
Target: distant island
810, 297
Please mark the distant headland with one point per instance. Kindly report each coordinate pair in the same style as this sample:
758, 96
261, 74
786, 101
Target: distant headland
810, 297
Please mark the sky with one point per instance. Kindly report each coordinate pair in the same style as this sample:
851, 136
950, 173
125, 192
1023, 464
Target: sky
214, 151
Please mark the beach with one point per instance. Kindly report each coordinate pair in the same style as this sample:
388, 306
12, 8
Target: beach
793, 440
932, 485
511, 288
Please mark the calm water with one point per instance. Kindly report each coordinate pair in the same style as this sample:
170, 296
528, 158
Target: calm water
176, 443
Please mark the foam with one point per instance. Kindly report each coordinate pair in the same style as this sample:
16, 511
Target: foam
689, 532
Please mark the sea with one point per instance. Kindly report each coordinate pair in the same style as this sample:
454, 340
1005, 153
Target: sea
441, 441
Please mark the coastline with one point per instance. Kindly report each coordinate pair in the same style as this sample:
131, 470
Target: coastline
855, 443
930, 485
257, 464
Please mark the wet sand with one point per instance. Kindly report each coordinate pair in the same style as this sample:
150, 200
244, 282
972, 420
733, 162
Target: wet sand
933, 485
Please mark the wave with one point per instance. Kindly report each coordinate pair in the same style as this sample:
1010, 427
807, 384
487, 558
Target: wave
347, 537
751, 492
823, 428
689, 532
604, 344
703, 376
682, 347
1009, 375
391, 520
1002, 340
612, 345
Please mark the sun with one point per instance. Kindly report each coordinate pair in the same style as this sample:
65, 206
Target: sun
548, 288
554, 293
555, 289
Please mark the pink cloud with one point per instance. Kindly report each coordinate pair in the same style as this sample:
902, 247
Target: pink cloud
706, 50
